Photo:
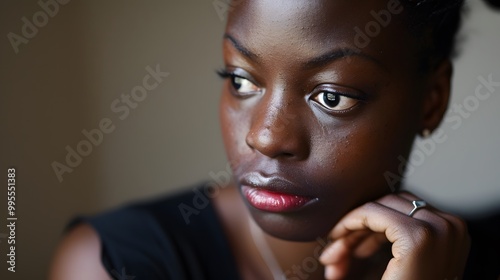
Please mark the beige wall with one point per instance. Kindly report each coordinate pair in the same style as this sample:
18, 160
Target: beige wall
66, 77
64, 80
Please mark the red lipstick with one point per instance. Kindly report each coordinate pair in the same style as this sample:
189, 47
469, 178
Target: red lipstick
271, 201
273, 193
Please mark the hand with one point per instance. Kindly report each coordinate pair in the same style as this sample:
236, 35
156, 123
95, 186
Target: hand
429, 245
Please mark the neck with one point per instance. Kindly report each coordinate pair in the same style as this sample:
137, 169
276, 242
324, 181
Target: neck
295, 260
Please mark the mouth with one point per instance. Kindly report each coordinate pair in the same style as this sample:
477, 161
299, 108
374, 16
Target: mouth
273, 194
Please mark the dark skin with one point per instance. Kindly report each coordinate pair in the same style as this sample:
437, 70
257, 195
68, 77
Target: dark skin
282, 57
336, 157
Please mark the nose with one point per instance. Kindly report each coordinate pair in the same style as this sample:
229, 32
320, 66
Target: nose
277, 129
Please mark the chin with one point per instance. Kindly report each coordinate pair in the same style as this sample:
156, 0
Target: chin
303, 226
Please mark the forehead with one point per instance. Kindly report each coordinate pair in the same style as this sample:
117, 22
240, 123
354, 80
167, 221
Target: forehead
313, 27
306, 17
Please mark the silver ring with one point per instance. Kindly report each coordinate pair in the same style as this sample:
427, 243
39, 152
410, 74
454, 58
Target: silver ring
417, 204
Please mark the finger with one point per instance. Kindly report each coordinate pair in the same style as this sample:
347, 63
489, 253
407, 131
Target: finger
337, 256
372, 242
370, 245
427, 239
336, 260
411, 197
336, 271
454, 227
341, 248
378, 218
404, 205
458, 224
403, 202
406, 234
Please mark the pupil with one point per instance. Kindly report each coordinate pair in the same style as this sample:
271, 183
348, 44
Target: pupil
331, 99
236, 81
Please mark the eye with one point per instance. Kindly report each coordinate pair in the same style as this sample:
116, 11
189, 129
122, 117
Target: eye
335, 101
244, 86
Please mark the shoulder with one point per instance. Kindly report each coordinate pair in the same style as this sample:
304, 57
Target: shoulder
77, 256
167, 238
117, 241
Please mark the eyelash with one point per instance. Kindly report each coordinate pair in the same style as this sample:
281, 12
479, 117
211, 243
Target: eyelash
225, 74
337, 112
235, 78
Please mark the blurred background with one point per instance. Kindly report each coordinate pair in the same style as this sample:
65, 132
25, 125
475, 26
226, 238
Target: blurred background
69, 69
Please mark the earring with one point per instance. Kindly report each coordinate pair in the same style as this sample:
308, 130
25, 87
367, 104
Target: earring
426, 133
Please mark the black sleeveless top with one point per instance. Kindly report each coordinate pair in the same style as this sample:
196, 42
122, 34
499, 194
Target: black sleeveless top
180, 237
176, 237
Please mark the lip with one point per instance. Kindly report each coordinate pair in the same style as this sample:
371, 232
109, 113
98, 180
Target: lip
273, 194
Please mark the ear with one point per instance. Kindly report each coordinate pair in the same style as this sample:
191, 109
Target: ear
436, 96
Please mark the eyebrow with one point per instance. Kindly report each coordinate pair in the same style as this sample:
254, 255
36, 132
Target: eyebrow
328, 57
315, 62
237, 45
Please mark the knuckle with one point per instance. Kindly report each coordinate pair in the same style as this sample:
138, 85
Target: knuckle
462, 228
446, 226
424, 231
461, 224
458, 226
370, 206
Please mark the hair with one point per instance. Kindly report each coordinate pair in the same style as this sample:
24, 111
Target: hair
436, 24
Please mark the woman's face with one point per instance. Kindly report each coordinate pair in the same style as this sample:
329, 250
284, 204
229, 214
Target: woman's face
313, 113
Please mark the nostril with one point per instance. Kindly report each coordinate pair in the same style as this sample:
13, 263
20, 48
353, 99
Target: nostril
288, 155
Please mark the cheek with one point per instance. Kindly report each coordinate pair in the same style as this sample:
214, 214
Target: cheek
234, 126
352, 159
